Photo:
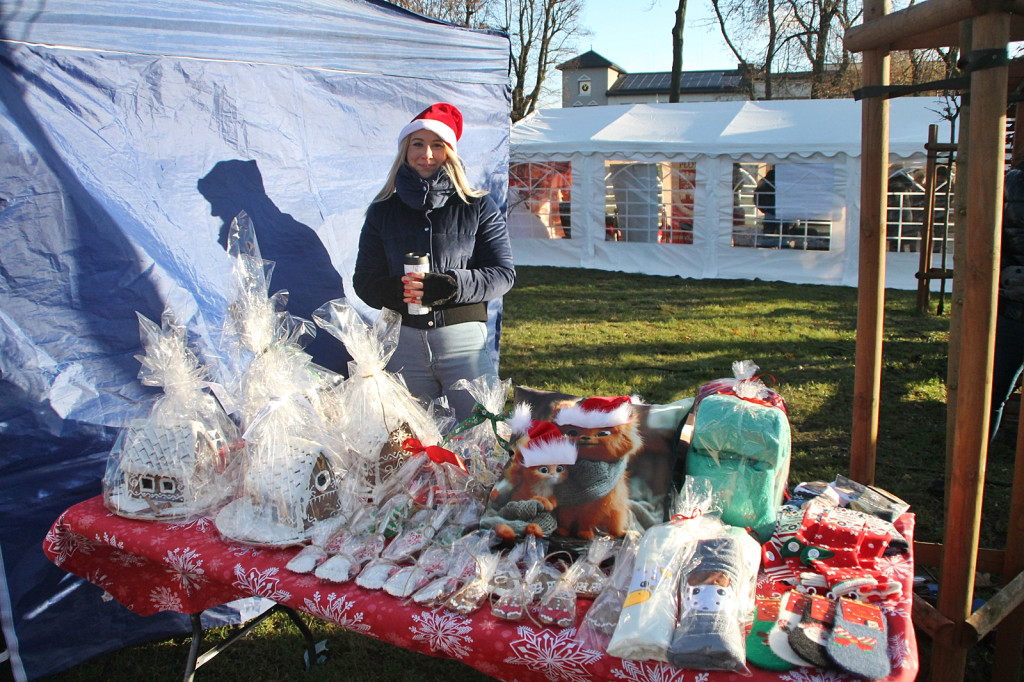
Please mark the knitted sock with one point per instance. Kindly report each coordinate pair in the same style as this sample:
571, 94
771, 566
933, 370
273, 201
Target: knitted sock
759, 652
858, 644
809, 638
709, 633
791, 612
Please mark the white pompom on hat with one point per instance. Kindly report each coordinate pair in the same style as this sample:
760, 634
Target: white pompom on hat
547, 446
521, 419
595, 413
442, 119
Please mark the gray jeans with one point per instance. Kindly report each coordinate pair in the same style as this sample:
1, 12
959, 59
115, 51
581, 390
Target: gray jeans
430, 361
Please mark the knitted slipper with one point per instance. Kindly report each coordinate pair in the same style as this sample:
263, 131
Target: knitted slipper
759, 651
791, 612
859, 644
809, 638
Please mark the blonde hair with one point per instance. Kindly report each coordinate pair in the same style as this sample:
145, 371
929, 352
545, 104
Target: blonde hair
452, 164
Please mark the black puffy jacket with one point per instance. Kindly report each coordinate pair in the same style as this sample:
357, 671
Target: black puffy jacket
467, 241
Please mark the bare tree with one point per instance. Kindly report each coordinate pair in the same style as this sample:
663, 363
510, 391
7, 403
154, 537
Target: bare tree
542, 34
675, 80
750, 30
468, 13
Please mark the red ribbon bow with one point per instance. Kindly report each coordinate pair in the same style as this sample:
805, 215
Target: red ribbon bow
434, 452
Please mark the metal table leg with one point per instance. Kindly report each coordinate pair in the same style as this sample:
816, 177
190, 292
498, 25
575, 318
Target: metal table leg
195, 660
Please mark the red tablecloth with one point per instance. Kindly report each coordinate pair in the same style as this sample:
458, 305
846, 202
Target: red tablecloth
151, 567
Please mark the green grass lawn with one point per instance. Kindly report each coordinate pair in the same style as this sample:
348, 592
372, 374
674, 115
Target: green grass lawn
602, 333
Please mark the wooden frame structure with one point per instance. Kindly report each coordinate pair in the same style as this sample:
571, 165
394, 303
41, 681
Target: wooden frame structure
982, 29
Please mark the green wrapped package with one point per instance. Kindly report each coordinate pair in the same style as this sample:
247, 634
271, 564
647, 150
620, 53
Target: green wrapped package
744, 448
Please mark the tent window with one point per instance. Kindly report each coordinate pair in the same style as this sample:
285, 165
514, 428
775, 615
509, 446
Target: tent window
649, 202
783, 206
905, 217
540, 199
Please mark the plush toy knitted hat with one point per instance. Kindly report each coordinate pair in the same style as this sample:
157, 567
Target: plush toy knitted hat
547, 446
595, 413
442, 119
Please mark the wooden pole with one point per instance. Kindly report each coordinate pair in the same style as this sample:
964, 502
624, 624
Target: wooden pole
1010, 638
984, 215
924, 267
867, 378
956, 298
925, 17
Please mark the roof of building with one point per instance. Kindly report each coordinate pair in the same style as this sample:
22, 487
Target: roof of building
589, 60
689, 81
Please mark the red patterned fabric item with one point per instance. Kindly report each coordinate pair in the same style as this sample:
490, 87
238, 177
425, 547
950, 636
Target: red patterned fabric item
151, 567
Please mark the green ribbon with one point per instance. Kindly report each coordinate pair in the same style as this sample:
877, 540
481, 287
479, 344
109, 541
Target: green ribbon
478, 416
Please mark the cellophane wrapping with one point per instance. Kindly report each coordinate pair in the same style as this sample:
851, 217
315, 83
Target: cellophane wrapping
376, 414
181, 460
482, 439
745, 384
647, 620
294, 471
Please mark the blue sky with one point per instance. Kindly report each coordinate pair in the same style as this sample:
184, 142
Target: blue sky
637, 35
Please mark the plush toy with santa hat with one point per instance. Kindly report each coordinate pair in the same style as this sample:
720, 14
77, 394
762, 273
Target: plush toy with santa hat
523, 501
595, 495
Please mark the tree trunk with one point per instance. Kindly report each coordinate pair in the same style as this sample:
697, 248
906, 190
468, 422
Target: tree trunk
677, 52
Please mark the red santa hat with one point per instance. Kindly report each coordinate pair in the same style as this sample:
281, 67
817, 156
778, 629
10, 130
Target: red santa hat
547, 446
595, 413
442, 119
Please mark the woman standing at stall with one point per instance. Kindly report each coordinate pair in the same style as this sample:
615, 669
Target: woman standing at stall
428, 207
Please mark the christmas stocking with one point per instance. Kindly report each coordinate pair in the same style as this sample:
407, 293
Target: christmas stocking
809, 638
759, 652
791, 612
709, 634
858, 644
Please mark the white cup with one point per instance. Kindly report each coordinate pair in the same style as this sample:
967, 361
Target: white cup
417, 262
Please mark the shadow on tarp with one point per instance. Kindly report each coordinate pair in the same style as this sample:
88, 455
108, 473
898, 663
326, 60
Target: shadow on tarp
302, 265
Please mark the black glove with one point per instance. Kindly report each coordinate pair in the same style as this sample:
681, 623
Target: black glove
438, 288
391, 291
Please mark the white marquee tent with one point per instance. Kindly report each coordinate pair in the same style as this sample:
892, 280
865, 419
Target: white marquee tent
694, 166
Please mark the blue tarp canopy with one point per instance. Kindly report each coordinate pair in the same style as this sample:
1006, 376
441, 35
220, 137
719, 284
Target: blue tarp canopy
130, 135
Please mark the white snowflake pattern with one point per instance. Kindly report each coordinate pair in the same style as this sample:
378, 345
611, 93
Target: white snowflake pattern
812, 674
186, 568
649, 671
899, 650
63, 543
202, 524
165, 599
126, 559
444, 631
896, 566
260, 583
111, 540
895, 609
101, 579
337, 610
239, 551
555, 654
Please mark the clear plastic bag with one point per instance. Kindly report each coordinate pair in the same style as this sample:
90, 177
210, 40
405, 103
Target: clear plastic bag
180, 461
716, 598
482, 439
600, 620
648, 616
294, 466
744, 447
377, 413
746, 384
